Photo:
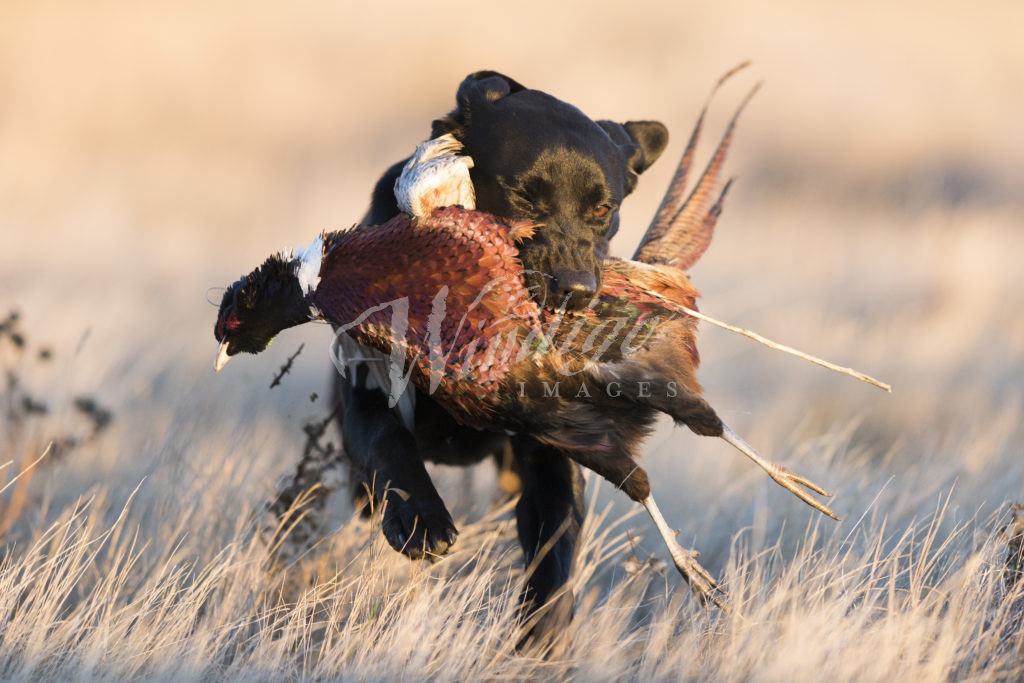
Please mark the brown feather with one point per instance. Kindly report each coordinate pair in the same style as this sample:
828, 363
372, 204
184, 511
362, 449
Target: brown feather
522, 230
679, 235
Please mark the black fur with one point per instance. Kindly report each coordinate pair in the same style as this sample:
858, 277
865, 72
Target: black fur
538, 158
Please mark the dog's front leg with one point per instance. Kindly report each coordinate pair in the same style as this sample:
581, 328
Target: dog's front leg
549, 516
415, 519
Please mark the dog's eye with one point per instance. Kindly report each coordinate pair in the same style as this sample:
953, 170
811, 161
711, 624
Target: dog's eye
601, 211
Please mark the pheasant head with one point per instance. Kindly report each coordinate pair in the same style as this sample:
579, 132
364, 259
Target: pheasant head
269, 299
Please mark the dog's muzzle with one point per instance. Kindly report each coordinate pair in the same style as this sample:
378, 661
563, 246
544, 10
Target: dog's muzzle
573, 288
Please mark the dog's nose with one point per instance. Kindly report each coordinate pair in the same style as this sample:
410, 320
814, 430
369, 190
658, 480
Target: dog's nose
573, 288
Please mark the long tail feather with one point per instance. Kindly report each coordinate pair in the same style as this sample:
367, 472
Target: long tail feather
682, 231
674, 196
685, 310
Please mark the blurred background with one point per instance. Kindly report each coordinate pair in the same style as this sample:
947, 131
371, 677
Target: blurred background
152, 152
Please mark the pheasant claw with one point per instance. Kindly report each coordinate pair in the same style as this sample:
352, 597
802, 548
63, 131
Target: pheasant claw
782, 476
701, 582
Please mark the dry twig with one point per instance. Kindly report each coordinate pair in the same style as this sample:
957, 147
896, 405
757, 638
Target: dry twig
286, 367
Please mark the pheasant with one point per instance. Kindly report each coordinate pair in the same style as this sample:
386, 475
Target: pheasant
450, 306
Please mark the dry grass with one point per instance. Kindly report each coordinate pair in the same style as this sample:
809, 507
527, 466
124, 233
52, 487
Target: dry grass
151, 151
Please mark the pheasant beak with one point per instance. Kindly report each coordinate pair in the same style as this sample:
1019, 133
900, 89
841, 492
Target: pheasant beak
222, 357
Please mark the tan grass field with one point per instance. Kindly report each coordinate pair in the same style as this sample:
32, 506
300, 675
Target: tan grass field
151, 151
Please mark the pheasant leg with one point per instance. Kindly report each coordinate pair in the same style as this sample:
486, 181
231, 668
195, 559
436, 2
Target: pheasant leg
781, 475
701, 582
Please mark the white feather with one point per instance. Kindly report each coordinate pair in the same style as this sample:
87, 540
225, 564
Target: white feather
307, 270
435, 176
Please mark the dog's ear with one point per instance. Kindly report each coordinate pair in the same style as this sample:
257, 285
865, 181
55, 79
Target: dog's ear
641, 141
494, 85
477, 89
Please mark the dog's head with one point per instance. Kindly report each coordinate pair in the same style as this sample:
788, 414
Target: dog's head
538, 158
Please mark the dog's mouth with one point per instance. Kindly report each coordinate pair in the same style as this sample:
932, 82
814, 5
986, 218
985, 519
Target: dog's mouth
565, 290
562, 273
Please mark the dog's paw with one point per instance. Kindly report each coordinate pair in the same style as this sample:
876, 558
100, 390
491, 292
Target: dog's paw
417, 527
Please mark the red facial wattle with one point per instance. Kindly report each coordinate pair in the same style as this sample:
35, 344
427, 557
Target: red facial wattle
225, 323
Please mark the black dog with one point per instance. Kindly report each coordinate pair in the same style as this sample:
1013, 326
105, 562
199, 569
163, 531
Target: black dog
538, 158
